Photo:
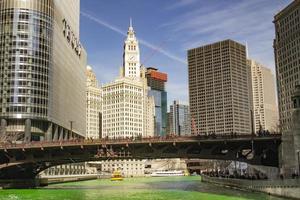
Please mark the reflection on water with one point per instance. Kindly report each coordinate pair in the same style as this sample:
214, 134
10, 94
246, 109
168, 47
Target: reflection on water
181, 188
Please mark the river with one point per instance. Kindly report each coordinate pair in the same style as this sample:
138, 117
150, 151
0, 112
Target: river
165, 188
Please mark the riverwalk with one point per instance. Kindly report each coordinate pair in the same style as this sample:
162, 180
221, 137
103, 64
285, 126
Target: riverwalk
288, 188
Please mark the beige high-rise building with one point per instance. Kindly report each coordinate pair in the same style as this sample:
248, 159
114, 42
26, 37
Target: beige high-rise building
128, 111
265, 111
219, 88
94, 106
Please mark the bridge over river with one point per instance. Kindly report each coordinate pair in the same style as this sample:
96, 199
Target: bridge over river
26, 160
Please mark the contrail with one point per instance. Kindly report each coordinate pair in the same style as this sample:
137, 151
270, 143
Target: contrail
143, 42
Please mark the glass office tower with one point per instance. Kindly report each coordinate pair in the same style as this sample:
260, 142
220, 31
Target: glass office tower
180, 120
156, 81
39, 51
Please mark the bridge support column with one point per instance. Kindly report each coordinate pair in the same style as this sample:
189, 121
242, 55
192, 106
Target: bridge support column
287, 154
3, 128
27, 130
291, 140
297, 143
49, 133
71, 136
66, 135
55, 137
61, 135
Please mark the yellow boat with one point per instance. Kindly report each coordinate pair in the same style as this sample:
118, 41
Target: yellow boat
116, 176
186, 173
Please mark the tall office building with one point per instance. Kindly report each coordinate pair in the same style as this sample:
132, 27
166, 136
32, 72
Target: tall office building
265, 112
156, 81
42, 70
219, 88
128, 111
94, 105
287, 56
180, 121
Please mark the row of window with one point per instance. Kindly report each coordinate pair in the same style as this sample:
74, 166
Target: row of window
24, 109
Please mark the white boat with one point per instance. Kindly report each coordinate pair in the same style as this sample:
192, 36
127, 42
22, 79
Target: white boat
167, 173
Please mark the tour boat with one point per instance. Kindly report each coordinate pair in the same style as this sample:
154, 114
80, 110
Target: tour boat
116, 176
167, 173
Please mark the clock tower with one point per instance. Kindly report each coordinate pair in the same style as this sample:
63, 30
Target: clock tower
131, 55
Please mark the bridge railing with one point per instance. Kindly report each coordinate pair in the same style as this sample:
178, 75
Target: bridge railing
104, 141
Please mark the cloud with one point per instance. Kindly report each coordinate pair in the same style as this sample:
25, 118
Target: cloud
143, 42
177, 91
181, 3
244, 21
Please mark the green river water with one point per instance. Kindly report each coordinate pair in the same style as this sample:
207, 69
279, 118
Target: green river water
166, 188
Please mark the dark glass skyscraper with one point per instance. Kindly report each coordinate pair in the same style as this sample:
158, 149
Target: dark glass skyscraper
156, 81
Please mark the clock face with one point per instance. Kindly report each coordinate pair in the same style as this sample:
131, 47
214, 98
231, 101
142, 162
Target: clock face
132, 58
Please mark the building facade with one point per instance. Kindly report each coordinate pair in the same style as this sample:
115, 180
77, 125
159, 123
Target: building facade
156, 81
42, 71
180, 121
128, 111
265, 111
65, 170
129, 168
287, 55
219, 88
94, 106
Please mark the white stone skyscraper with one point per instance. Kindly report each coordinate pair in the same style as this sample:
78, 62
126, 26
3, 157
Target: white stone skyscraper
127, 109
265, 111
94, 105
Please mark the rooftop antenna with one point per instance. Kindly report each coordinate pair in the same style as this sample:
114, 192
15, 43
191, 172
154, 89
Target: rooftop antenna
130, 22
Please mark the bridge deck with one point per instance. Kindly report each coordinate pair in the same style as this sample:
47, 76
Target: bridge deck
150, 140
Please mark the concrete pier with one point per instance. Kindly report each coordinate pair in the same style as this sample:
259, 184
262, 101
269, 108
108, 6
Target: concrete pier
19, 183
289, 188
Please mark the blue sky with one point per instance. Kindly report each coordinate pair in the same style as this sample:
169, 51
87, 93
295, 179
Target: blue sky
167, 28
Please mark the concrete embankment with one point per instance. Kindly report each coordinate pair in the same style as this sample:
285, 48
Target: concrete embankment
289, 188
46, 180
43, 181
